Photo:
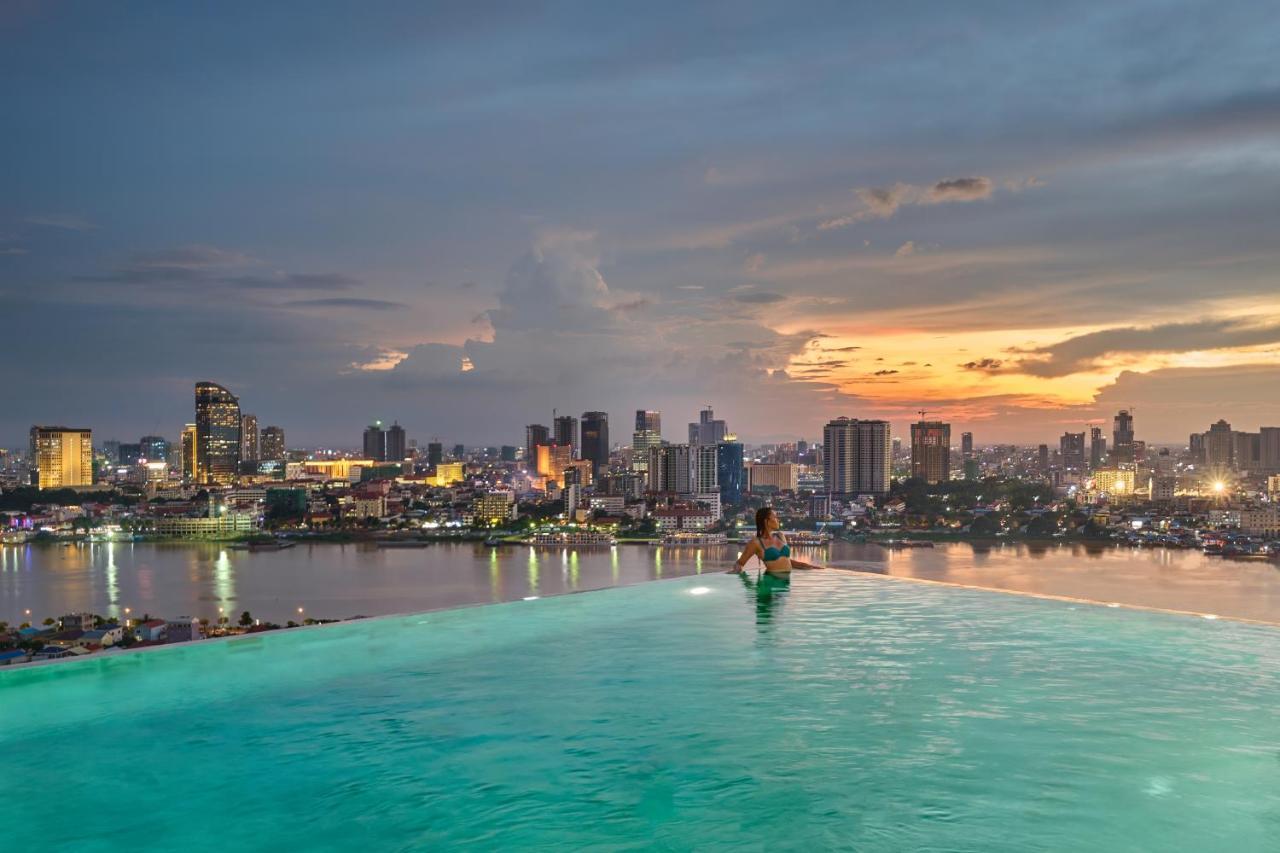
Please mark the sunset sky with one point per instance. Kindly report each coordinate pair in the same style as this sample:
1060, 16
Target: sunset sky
1018, 217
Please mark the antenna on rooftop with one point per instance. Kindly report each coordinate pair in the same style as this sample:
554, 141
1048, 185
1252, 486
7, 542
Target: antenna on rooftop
922, 413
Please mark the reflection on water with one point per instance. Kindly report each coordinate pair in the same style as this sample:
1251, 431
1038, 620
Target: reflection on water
346, 580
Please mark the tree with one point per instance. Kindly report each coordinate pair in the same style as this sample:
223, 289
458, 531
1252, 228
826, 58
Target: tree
984, 525
246, 619
48, 620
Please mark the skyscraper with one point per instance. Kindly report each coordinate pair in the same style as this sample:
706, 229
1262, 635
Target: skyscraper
435, 452
647, 435
1042, 452
393, 443
1219, 448
595, 441
1195, 447
1097, 448
707, 430
272, 447
189, 453
61, 457
1246, 451
534, 435
553, 460
374, 443
1071, 446
857, 457
1269, 449
670, 467
966, 445
217, 434
931, 451
704, 471
154, 448
566, 432
730, 472
249, 438
1122, 437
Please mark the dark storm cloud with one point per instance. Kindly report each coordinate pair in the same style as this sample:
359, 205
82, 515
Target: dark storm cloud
759, 298
342, 302
213, 266
989, 365
1084, 352
960, 189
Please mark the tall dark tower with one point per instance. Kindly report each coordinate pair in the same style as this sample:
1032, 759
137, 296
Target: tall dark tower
1122, 437
217, 434
566, 427
595, 441
534, 435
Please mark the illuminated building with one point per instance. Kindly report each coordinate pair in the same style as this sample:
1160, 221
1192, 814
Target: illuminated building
189, 453
1115, 482
249, 446
931, 451
534, 436
857, 457
217, 434
272, 446
494, 508
1071, 445
1122, 449
1260, 521
595, 440
552, 459
703, 472
154, 448
783, 476
61, 457
448, 473
1162, 487
647, 435
1273, 488
331, 469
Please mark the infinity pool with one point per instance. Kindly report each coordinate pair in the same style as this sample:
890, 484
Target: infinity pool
701, 713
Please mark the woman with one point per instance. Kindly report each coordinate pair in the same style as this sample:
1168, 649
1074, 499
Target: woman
771, 547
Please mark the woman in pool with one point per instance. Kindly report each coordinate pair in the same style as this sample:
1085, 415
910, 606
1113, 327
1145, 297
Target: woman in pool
771, 547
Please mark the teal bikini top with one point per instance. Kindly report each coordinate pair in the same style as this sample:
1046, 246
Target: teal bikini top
771, 554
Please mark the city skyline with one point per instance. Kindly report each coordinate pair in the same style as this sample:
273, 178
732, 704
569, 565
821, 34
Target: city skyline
456, 216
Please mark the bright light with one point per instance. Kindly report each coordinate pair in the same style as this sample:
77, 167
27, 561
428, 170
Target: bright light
1209, 615
531, 598
700, 590
1219, 486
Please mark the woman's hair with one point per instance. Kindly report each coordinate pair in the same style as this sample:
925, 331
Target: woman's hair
762, 516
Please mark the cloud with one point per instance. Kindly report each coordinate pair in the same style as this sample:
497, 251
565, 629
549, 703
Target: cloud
348, 302
1084, 352
906, 249
205, 266
760, 297
754, 262
884, 202
984, 364
959, 189
884, 373
65, 222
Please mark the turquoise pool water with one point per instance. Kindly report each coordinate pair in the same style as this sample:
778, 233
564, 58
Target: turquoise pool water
845, 712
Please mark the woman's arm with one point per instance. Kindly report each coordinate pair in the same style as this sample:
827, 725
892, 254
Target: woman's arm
747, 553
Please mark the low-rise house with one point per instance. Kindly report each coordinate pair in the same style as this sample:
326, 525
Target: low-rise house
81, 621
184, 629
98, 637
9, 656
52, 652
151, 631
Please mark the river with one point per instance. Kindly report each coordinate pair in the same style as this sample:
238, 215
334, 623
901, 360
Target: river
339, 581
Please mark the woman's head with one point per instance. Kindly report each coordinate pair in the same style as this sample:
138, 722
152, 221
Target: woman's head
766, 521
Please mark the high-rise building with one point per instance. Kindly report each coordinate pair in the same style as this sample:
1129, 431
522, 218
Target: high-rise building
272, 447
931, 451
966, 445
1122, 437
1269, 450
393, 443
217, 434
459, 451
647, 435
154, 448
1195, 447
566, 431
374, 444
857, 457
249, 448
708, 429
730, 472
1246, 451
534, 435
704, 473
595, 441
61, 457
553, 459
778, 476
189, 453
1219, 447
670, 467
1097, 448
1071, 445
1042, 457
435, 452
507, 453
129, 454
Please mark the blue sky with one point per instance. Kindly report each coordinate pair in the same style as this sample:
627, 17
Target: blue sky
1018, 216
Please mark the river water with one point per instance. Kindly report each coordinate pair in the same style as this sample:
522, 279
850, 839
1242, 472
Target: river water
338, 581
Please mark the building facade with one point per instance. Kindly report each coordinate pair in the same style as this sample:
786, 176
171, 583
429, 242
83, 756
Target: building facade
857, 457
61, 457
217, 434
595, 441
931, 451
